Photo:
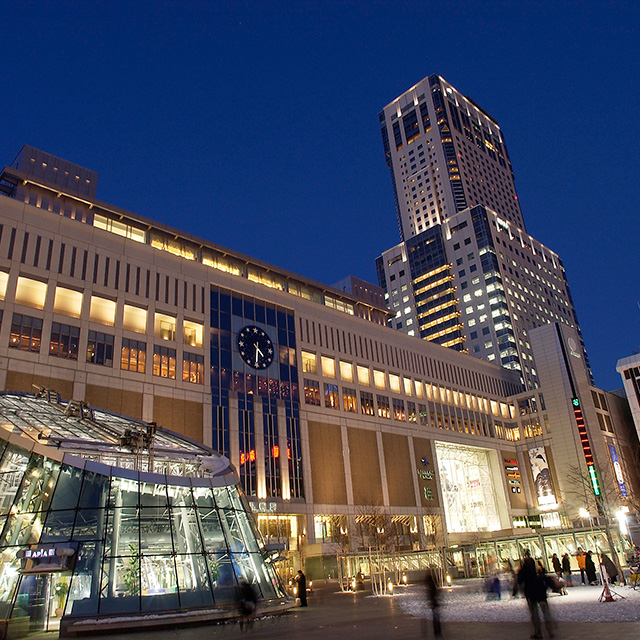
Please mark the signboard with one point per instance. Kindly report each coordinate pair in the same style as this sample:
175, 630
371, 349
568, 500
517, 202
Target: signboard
586, 445
541, 476
48, 558
617, 469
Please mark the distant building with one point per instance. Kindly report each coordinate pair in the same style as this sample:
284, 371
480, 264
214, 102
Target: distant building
629, 370
363, 290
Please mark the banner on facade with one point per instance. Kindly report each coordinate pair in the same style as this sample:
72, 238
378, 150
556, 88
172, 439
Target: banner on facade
541, 476
617, 469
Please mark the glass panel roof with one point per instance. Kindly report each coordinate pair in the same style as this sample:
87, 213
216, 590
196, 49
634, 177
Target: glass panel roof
99, 435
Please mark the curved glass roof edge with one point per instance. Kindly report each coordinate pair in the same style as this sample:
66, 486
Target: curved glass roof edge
74, 433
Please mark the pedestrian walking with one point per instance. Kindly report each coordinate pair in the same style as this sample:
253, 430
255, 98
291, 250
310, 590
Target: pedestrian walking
535, 591
610, 568
566, 570
581, 557
433, 600
301, 581
557, 567
248, 603
590, 568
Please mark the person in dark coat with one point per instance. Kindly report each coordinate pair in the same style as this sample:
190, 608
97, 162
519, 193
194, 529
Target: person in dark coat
301, 580
433, 599
610, 568
590, 569
248, 603
566, 570
535, 591
557, 567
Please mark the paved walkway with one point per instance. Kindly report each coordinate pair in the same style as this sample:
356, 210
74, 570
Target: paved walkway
347, 616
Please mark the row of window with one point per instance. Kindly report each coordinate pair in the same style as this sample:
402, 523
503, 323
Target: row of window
26, 335
382, 407
364, 376
69, 302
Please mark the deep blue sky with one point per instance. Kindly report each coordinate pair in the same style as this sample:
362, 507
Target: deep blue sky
255, 124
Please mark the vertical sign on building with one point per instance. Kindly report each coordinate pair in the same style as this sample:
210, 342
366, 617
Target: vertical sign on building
586, 446
617, 469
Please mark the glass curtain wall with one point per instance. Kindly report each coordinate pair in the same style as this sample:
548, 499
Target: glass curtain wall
140, 543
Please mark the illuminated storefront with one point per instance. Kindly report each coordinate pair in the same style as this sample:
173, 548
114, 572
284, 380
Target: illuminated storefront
104, 516
472, 491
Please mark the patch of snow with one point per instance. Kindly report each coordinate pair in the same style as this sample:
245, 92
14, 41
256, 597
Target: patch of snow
468, 603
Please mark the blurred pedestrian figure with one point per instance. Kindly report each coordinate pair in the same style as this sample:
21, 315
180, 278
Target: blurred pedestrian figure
557, 567
535, 591
566, 570
590, 569
301, 581
248, 603
581, 557
433, 600
610, 568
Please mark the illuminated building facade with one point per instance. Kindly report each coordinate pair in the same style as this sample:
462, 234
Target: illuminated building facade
466, 274
341, 428
445, 155
477, 283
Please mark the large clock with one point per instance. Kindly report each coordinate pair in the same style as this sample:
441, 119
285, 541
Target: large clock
255, 347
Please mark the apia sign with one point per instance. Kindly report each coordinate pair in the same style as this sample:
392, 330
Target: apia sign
48, 558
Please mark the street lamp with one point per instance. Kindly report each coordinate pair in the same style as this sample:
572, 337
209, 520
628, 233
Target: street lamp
583, 513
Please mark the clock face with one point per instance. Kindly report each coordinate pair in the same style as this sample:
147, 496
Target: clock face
255, 347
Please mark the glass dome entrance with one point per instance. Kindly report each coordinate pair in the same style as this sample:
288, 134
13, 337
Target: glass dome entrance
115, 540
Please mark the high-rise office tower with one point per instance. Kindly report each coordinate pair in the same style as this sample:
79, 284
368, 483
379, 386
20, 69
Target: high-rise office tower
445, 154
466, 274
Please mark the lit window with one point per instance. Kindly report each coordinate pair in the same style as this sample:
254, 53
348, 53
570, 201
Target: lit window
26, 333
394, 383
331, 397
346, 371
68, 302
31, 292
134, 319
364, 375
164, 362
379, 379
349, 400
4, 280
328, 366
102, 310
133, 355
312, 392
192, 333
309, 364
164, 327
193, 368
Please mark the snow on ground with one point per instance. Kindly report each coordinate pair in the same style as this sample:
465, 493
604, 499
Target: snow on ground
467, 602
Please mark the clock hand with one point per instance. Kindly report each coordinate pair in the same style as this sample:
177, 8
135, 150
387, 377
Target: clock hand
258, 353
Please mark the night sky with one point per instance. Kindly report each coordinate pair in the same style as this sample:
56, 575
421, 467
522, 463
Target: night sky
255, 124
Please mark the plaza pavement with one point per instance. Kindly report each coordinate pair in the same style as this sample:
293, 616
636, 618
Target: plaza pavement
346, 616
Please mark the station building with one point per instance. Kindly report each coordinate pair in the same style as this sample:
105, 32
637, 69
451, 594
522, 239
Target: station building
345, 433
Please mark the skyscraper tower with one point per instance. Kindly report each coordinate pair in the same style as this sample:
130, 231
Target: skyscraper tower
445, 154
466, 274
